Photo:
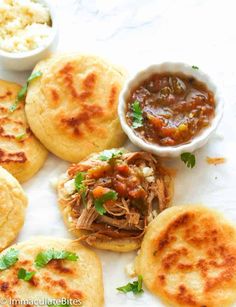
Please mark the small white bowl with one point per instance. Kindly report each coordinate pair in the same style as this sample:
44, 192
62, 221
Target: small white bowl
26, 60
198, 140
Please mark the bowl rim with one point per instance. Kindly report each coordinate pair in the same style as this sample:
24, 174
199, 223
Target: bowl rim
38, 50
200, 139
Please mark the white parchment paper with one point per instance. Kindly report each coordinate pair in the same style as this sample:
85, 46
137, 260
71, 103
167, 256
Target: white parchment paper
133, 34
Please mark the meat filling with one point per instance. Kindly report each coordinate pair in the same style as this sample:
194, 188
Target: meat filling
117, 196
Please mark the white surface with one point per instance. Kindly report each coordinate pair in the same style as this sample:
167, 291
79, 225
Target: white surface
134, 33
174, 67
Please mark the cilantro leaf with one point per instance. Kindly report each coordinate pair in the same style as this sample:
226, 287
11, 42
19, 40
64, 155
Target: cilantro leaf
21, 136
45, 257
137, 115
135, 287
189, 159
79, 180
35, 75
22, 92
107, 155
24, 275
8, 259
195, 67
99, 202
80, 187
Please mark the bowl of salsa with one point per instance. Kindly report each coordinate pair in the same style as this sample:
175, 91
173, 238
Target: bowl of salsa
170, 108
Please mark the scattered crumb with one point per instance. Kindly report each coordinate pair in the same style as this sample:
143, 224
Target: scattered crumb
129, 269
54, 182
216, 160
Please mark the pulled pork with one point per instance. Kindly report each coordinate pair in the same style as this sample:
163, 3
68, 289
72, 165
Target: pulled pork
130, 188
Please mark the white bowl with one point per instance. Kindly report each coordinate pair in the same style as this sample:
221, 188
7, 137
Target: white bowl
198, 140
26, 60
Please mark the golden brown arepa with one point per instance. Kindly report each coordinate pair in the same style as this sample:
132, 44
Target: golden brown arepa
72, 108
188, 258
20, 152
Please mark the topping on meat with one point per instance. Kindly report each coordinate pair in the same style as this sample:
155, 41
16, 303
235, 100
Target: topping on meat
115, 194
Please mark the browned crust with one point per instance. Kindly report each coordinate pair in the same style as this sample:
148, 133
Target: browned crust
200, 234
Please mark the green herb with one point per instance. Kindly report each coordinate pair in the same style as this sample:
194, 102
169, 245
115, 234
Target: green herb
99, 202
21, 136
137, 115
22, 93
135, 287
107, 155
26, 276
44, 257
34, 76
189, 159
80, 186
195, 67
79, 178
10, 258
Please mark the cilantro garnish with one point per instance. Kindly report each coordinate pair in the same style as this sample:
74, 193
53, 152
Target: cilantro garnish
195, 67
99, 202
10, 258
21, 136
137, 115
22, 93
135, 287
189, 159
80, 187
45, 257
79, 181
24, 275
107, 155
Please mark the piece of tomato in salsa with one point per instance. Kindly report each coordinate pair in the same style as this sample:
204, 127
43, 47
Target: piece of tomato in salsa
170, 109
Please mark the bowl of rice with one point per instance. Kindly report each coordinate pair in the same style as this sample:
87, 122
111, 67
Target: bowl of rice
28, 33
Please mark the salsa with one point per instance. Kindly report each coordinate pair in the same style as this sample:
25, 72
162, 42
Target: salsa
170, 109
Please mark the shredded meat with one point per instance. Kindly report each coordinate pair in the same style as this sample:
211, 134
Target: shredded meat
120, 223
87, 217
136, 195
133, 218
160, 191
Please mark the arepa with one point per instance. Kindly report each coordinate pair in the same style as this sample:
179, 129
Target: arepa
20, 152
188, 258
13, 203
59, 268
72, 108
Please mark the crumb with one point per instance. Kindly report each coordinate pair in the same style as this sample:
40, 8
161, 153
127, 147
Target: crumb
129, 269
216, 160
54, 182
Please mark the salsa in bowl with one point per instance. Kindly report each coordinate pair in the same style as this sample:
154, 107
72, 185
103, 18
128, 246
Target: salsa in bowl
170, 108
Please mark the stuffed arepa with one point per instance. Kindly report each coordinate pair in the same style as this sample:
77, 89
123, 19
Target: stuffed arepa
108, 199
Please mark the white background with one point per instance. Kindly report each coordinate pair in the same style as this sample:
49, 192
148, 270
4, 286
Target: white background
135, 33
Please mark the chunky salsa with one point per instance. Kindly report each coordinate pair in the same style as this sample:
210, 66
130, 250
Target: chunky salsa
170, 109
